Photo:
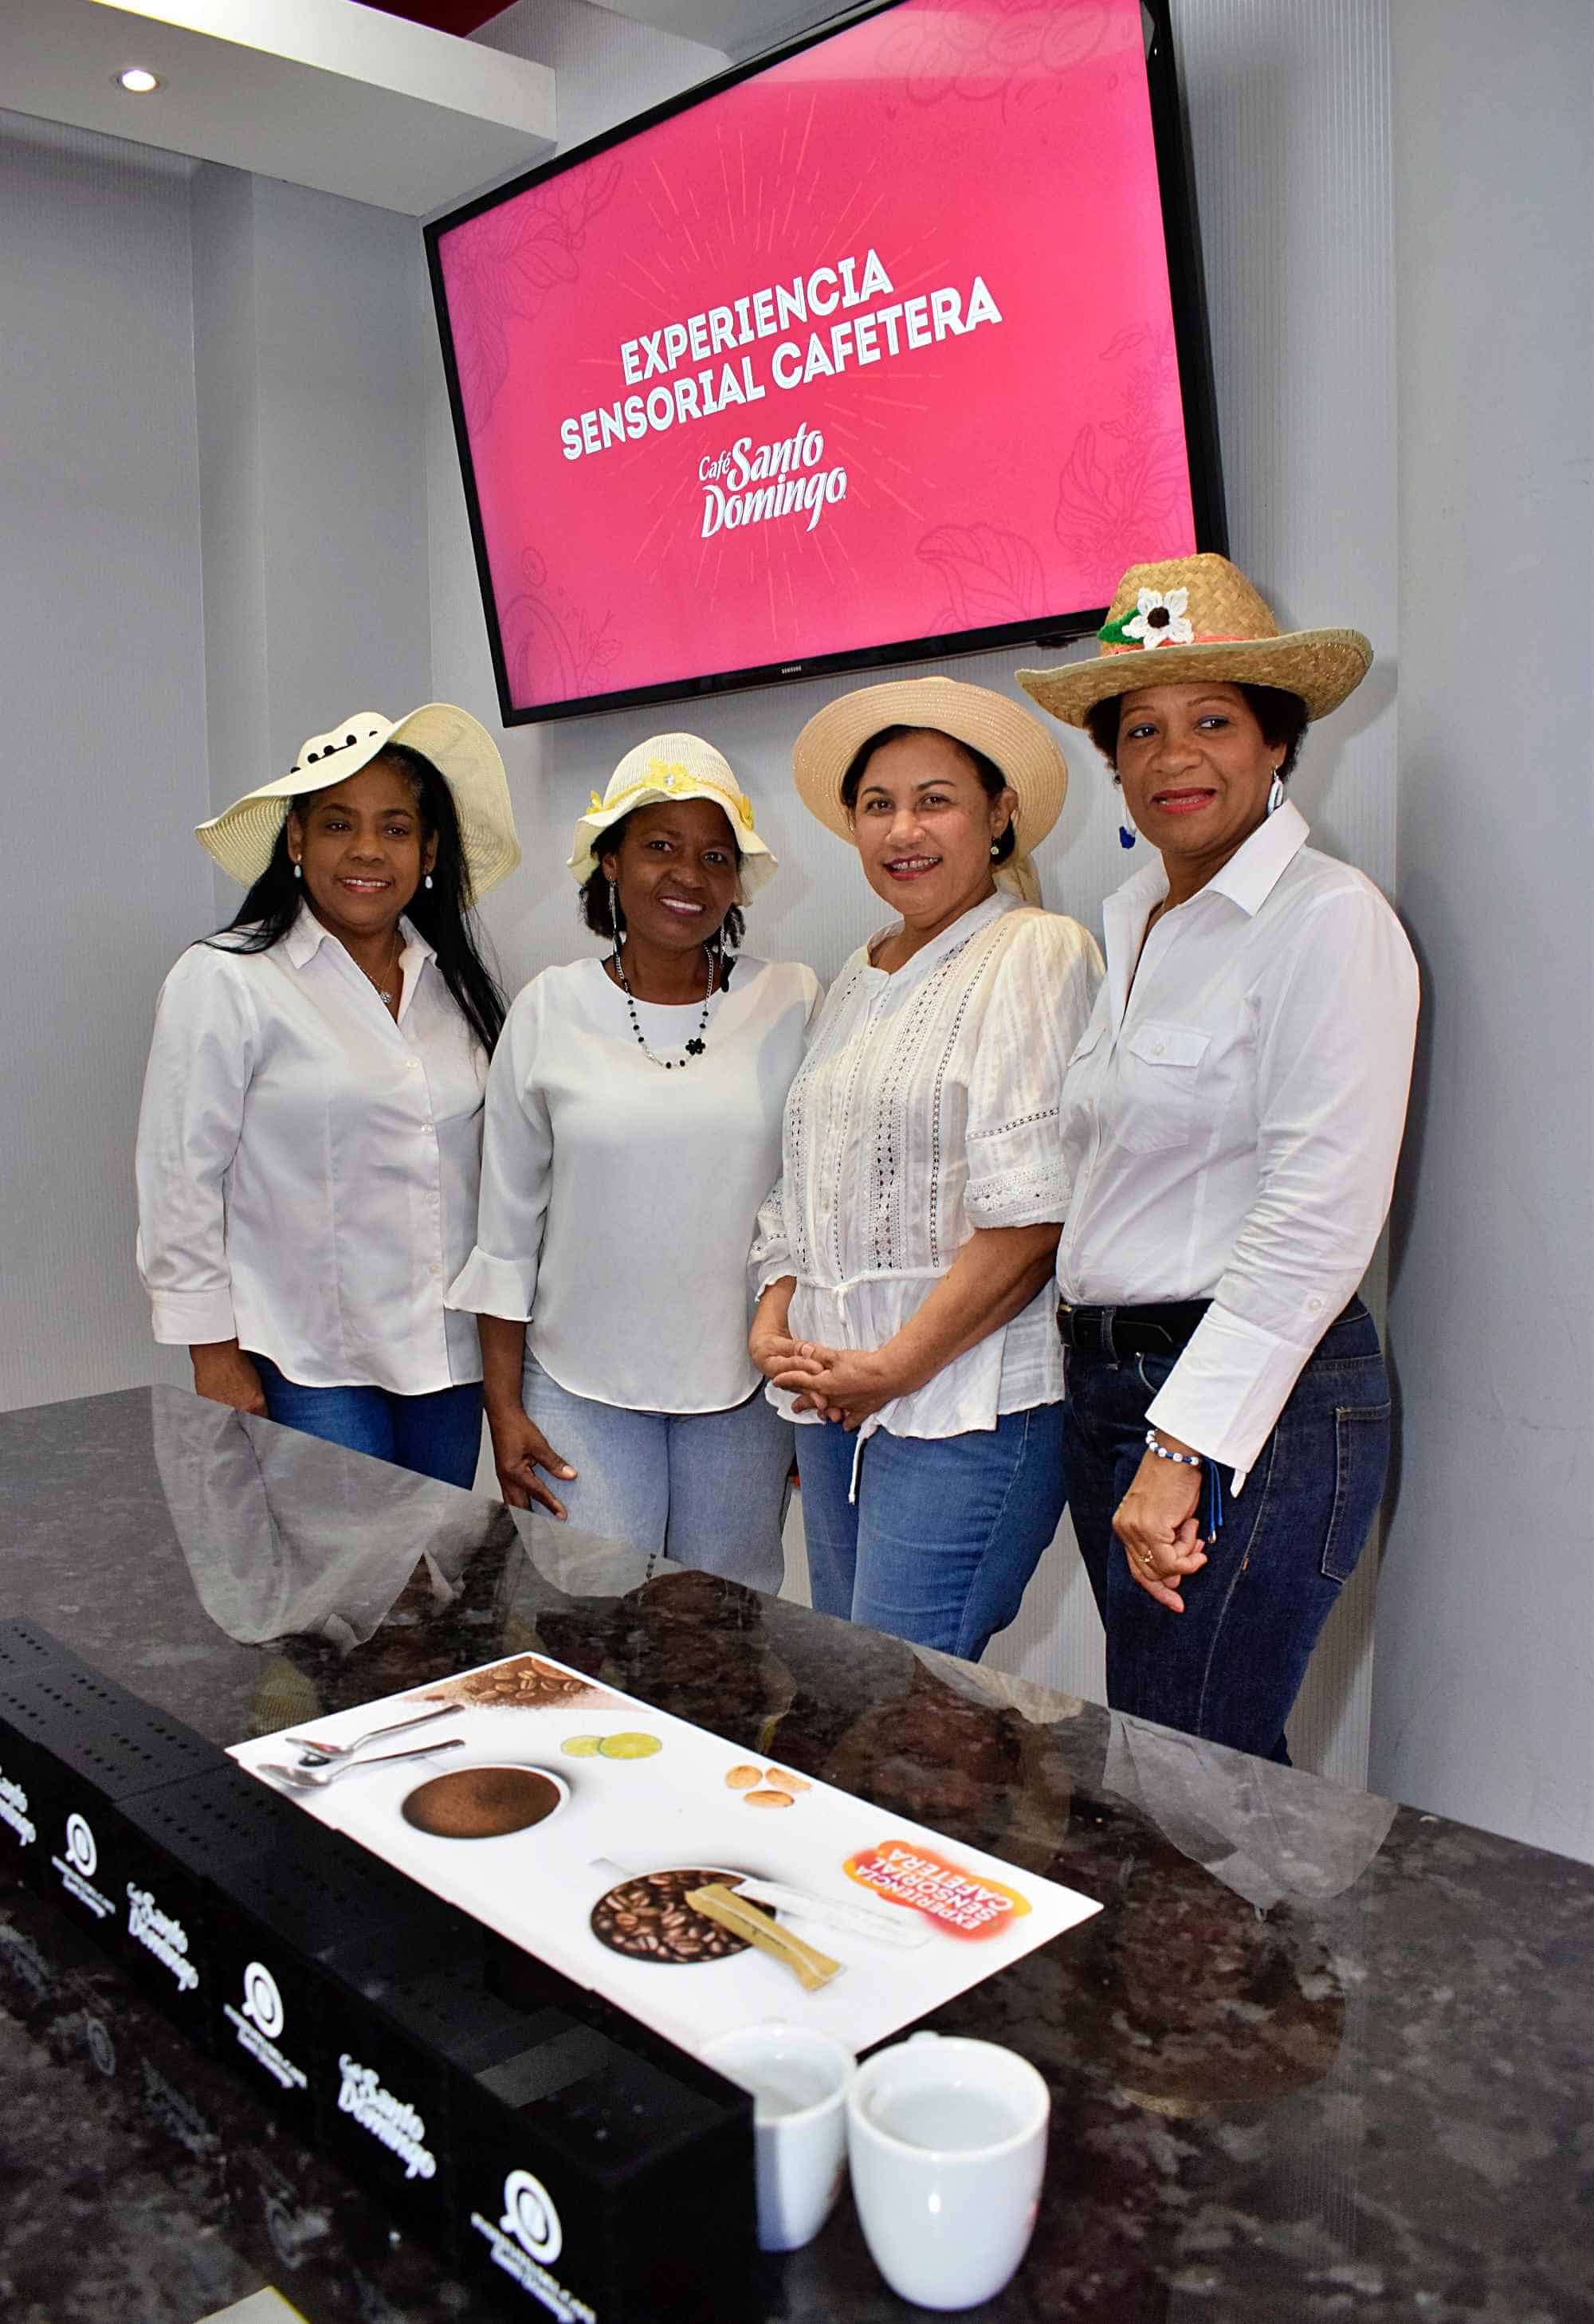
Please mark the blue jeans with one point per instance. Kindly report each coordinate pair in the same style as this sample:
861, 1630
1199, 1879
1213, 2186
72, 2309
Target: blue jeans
705, 1489
945, 1532
437, 1436
1229, 1667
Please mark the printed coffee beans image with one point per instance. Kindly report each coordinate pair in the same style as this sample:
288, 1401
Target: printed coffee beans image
649, 1919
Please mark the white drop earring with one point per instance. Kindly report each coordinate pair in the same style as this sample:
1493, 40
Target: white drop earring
428, 880
297, 872
1276, 793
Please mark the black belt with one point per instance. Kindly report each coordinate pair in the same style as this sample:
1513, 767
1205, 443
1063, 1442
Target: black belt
1108, 1332
1111, 1331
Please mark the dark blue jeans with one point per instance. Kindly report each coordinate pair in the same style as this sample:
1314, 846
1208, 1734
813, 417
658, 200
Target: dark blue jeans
437, 1436
1229, 1667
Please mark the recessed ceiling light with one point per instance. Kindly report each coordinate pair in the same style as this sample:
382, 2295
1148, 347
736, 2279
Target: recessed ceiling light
138, 80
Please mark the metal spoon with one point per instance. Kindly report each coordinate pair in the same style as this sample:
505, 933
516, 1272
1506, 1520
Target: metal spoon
315, 1779
312, 1753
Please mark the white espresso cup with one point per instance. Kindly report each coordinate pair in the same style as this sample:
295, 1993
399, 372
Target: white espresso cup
947, 2143
798, 2080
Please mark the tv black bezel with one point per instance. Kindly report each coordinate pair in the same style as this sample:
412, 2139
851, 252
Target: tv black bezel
1187, 299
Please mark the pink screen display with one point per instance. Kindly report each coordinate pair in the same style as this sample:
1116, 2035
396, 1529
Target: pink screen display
875, 346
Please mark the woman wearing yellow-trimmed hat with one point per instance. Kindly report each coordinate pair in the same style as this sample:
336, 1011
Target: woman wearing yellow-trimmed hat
633, 1127
1230, 1125
309, 1142
903, 1260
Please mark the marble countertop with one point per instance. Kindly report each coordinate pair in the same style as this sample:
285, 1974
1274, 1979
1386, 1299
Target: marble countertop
1319, 2059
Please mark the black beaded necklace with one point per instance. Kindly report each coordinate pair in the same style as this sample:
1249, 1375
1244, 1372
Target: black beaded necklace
697, 1045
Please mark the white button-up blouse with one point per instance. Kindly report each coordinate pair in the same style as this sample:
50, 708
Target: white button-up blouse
307, 1168
1231, 1120
927, 1107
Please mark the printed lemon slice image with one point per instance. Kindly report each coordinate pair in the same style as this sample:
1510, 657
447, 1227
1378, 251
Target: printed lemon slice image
580, 1747
631, 1746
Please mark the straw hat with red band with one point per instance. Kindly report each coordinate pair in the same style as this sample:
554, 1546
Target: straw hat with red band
1198, 617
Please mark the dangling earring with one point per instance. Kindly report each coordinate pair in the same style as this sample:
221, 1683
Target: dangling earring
1126, 834
428, 880
297, 872
995, 851
614, 912
1276, 793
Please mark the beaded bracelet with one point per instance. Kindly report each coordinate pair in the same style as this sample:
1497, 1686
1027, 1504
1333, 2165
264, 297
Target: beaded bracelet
1186, 1459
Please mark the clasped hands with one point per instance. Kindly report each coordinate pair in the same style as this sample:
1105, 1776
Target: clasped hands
1157, 1522
843, 1385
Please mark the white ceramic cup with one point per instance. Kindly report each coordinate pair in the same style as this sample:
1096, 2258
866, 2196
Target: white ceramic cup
947, 2143
798, 2080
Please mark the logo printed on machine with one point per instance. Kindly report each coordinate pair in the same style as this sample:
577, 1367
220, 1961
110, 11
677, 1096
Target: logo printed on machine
14, 1811
162, 1935
525, 2240
79, 1866
392, 2123
258, 2025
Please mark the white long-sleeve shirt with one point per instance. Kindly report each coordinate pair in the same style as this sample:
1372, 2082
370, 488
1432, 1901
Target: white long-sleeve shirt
1230, 1124
307, 1168
927, 1107
618, 1201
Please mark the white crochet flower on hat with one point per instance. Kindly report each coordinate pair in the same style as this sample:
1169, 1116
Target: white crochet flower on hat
1159, 619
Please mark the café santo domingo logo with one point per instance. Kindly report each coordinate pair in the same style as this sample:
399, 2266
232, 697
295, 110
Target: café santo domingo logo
747, 485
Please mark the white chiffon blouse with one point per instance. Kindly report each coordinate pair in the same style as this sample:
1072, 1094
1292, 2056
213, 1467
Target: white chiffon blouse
928, 1107
618, 1200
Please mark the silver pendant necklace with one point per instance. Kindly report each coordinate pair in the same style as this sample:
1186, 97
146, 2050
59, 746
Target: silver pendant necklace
696, 1047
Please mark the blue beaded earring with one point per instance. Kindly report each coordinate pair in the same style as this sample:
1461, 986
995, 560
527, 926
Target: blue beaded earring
1126, 834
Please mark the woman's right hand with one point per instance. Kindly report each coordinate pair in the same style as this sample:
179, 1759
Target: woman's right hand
224, 1374
520, 1449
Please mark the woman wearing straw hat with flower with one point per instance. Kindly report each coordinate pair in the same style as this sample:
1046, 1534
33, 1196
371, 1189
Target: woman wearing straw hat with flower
1231, 1121
633, 1126
310, 1143
904, 1259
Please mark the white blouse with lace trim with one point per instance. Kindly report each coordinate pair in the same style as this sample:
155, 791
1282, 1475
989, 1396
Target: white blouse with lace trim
927, 1107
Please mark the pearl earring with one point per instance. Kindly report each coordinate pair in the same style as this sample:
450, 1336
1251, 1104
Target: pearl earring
995, 851
428, 880
297, 872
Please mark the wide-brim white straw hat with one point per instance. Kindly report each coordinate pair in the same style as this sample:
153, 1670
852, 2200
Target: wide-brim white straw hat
1191, 618
458, 745
672, 767
1007, 734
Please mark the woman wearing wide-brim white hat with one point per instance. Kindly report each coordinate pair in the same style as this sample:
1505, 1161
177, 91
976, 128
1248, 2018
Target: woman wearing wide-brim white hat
1230, 1125
310, 1143
633, 1127
904, 1259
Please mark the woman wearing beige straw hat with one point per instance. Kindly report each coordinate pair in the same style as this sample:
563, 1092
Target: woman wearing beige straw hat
1230, 1125
309, 1142
903, 1260
633, 1126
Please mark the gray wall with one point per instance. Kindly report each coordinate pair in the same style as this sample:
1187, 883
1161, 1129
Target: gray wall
213, 503
1484, 1697
103, 681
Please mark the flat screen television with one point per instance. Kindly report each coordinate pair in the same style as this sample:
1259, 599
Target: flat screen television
886, 346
